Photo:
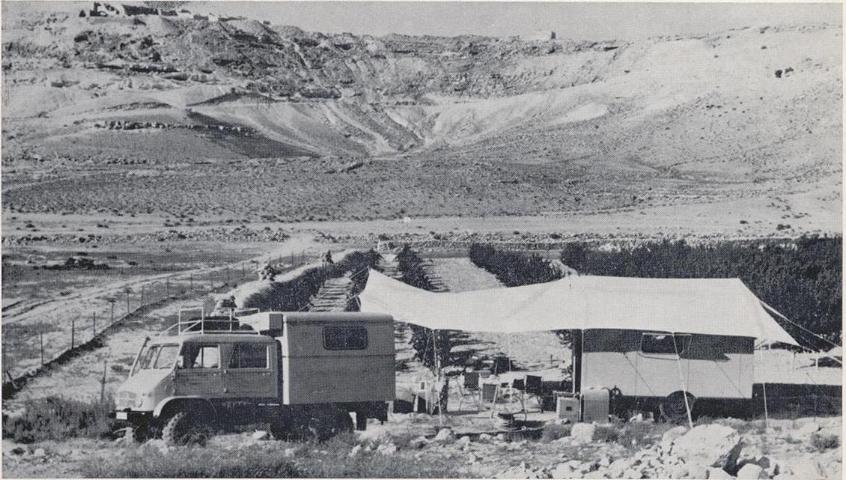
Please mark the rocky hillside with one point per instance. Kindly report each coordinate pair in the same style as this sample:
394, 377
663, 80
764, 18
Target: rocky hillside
757, 107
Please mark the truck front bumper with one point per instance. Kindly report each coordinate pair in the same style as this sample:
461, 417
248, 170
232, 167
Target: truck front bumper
127, 417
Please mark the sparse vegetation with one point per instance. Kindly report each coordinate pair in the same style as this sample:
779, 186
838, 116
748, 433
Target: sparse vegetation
822, 442
56, 418
270, 460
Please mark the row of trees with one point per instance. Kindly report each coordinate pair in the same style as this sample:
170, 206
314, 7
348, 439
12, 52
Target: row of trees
424, 341
802, 279
515, 269
511, 268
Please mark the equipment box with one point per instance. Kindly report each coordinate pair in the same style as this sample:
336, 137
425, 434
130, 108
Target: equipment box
567, 407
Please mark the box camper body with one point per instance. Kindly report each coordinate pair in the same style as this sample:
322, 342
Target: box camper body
298, 371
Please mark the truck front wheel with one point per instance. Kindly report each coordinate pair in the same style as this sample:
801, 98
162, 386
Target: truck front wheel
183, 428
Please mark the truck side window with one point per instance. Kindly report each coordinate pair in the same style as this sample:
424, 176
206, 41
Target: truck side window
248, 355
199, 356
667, 344
344, 338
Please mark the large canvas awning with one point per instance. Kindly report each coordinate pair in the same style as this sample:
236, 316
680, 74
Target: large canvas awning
704, 306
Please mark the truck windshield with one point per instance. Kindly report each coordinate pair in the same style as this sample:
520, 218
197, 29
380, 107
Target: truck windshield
167, 356
158, 356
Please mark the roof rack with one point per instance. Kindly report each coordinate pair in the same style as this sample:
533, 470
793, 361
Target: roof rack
192, 325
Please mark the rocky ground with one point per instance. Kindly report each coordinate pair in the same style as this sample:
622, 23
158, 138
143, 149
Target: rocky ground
786, 449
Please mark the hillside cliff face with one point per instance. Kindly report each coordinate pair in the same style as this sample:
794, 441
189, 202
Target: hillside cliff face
751, 105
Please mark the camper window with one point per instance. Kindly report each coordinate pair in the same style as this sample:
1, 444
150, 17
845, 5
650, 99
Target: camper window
248, 355
664, 343
344, 338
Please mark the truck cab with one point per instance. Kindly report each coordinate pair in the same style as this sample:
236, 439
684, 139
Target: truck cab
292, 370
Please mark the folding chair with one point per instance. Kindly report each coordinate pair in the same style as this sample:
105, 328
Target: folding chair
470, 387
490, 392
534, 388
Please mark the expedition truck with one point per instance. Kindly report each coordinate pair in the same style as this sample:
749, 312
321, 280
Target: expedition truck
303, 373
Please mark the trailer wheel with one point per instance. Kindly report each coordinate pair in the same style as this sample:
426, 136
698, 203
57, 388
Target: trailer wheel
281, 428
673, 407
183, 429
324, 423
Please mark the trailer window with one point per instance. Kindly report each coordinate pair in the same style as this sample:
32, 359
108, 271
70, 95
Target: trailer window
664, 343
344, 338
248, 355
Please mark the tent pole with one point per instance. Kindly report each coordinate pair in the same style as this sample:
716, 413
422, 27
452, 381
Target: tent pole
438, 376
684, 387
766, 414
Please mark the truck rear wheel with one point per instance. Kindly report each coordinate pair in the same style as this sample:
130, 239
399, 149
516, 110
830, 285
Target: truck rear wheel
183, 428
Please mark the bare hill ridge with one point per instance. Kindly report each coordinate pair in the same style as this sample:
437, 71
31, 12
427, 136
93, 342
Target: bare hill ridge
755, 106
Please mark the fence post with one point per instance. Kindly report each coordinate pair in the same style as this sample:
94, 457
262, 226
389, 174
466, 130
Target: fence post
73, 332
142, 297
41, 343
113, 311
127, 303
167, 288
191, 282
103, 381
93, 325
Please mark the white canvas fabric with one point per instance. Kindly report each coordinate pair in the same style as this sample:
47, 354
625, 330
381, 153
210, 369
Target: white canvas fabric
704, 306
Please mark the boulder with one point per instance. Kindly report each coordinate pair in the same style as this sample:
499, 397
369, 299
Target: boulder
806, 468
751, 471
696, 471
260, 435
809, 428
671, 435
418, 442
463, 442
355, 451
634, 472
387, 449
583, 432
617, 467
709, 445
562, 470
717, 473
444, 435
678, 471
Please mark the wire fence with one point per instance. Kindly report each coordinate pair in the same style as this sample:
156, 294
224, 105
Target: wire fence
32, 345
